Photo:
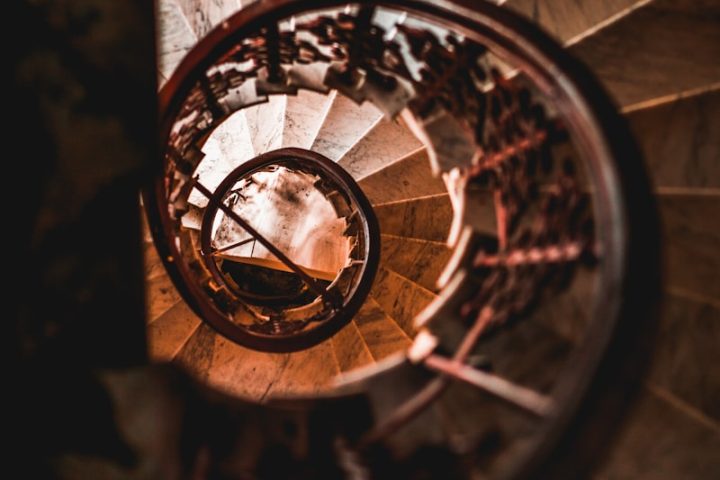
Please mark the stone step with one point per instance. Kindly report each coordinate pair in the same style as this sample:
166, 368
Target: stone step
663, 47
661, 439
386, 142
204, 15
350, 348
408, 177
307, 372
420, 261
680, 142
691, 236
175, 37
686, 342
381, 333
168, 333
345, 124
265, 124
400, 298
304, 115
565, 19
426, 218
160, 295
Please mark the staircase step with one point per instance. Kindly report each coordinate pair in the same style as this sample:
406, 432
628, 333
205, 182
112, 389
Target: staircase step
231, 141
175, 36
307, 372
565, 19
661, 440
304, 115
400, 298
408, 177
229, 146
350, 349
680, 142
381, 333
691, 234
229, 367
265, 123
153, 264
204, 15
426, 218
421, 261
168, 333
384, 143
160, 295
661, 48
688, 338
345, 124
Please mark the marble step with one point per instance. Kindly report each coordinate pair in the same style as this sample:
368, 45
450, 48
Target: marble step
565, 19
265, 123
381, 333
160, 295
408, 177
662, 439
204, 15
233, 369
175, 37
426, 218
345, 124
350, 348
420, 261
152, 263
307, 372
680, 142
400, 298
691, 236
386, 142
304, 115
661, 48
686, 351
168, 333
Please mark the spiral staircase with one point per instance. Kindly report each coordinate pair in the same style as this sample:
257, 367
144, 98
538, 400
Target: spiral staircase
445, 313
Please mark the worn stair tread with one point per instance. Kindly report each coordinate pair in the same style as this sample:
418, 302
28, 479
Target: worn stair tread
659, 440
667, 46
350, 349
408, 177
427, 218
688, 337
421, 261
265, 123
566, 19
304, 114
381, 333
384, 143
152, 263
168, 333
175, 36
204, 15
400, 298
691, 238
229, 146
229, 367
680, 142
345, 124
160, 295
307, 372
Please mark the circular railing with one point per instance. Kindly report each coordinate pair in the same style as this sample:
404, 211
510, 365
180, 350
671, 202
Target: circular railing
504, 113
